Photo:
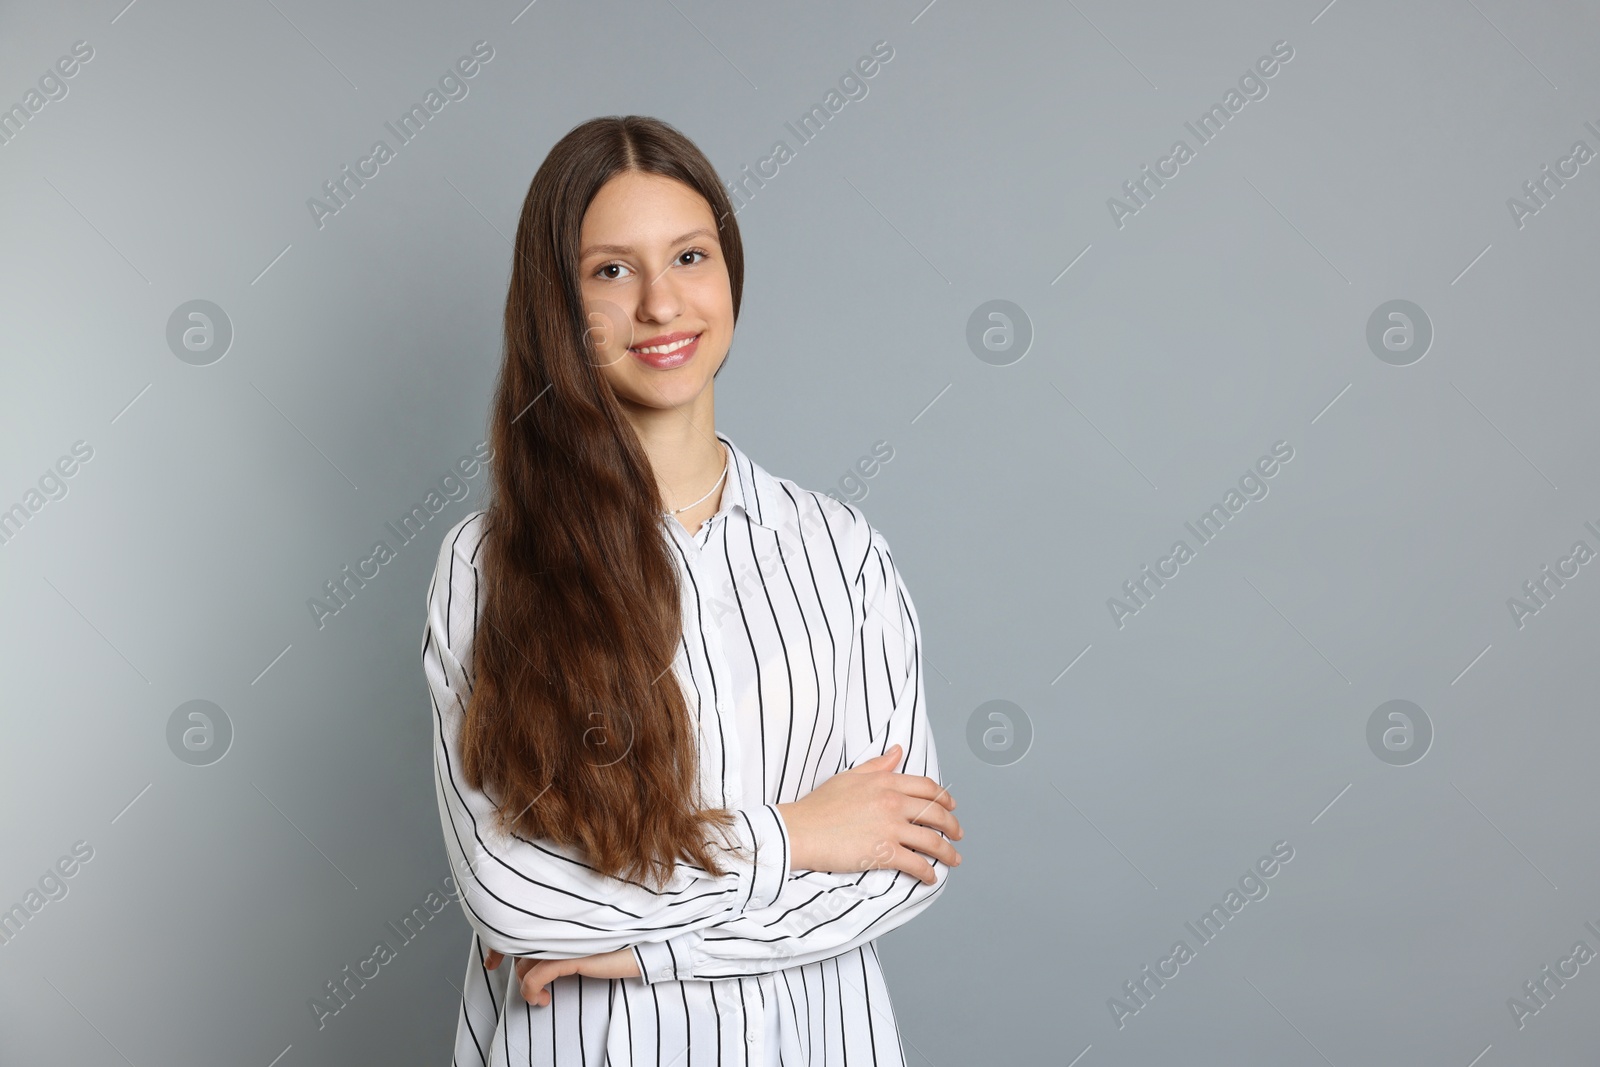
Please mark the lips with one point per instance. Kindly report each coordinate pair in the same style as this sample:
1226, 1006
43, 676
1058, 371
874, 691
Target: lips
667, 351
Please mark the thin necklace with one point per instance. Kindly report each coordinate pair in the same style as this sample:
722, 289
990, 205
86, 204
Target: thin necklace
713, 489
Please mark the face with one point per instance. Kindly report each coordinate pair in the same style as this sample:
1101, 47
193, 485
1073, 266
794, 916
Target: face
656, 290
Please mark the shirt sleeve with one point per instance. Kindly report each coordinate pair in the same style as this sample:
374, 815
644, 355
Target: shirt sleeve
536, 898
820, 914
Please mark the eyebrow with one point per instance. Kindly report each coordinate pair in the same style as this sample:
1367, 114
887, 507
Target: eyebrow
624, 249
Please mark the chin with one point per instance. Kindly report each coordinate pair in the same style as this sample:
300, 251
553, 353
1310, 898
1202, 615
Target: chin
664, 391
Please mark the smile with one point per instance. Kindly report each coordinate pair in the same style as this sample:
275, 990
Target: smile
662, 349
673, 353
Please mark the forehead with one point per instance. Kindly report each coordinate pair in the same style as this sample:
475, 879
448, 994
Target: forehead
636, 211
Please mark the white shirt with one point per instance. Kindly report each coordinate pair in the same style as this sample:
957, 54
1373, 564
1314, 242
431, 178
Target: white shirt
801, 657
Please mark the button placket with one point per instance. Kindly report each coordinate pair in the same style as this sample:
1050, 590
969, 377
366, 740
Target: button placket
692, 691
732, 1025
755, 1022
719, 740
732, 747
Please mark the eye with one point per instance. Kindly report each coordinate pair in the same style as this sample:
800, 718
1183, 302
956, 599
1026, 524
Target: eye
600, 272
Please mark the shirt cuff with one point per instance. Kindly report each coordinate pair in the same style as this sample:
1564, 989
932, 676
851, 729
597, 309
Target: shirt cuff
669, 960
767, 838
762, 834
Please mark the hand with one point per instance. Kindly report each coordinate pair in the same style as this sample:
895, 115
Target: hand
873, 817
536, 974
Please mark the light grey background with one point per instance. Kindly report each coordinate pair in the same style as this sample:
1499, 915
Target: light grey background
1228, 314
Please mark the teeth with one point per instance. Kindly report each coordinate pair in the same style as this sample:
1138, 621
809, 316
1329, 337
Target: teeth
663, 349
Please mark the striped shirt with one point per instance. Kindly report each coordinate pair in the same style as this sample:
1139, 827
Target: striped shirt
801, 656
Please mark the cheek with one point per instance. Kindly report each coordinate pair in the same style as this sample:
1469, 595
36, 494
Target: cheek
610, 326
712, 300
613, 373
716, 311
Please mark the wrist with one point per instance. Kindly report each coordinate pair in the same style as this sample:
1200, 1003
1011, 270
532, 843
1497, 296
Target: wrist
799, 857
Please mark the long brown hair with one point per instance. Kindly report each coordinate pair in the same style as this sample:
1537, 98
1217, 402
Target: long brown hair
576, 720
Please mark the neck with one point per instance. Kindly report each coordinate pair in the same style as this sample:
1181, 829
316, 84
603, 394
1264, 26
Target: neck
684, 452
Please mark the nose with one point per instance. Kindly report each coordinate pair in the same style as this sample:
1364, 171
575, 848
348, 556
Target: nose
659, 299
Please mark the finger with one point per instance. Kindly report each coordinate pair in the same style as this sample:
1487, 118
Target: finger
931, 843
538, 974
890, 758
492, 961
929, 813
906, 860
923, 787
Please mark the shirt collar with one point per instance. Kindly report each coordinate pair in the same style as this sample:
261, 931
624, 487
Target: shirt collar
749, 488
